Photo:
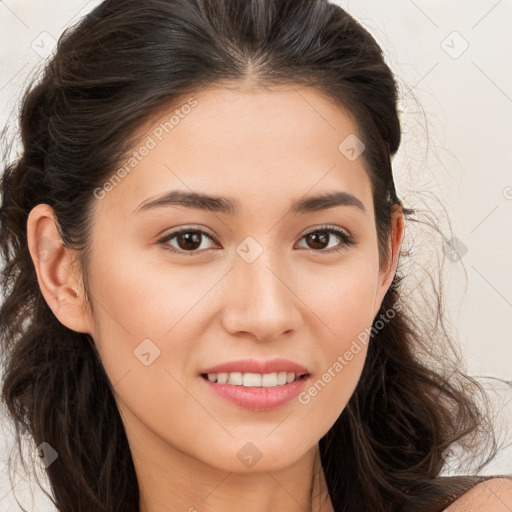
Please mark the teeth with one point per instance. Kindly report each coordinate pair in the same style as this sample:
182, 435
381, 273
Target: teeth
236, 378
266, 380
222, 378
252, 379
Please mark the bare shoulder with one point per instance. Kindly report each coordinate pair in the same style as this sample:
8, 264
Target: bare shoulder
494, 494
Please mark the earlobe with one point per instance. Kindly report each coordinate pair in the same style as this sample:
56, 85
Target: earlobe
55, 270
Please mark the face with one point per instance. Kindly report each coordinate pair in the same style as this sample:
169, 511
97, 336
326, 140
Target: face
179, 288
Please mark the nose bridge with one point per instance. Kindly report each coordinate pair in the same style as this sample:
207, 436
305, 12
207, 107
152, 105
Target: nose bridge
262, 301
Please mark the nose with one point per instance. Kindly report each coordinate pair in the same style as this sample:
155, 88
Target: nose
261, 300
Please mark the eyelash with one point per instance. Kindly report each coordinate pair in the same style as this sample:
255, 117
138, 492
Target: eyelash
347, 240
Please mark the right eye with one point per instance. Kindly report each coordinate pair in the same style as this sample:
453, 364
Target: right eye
188, 241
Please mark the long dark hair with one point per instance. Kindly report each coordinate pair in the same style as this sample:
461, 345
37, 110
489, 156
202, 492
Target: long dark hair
111, 73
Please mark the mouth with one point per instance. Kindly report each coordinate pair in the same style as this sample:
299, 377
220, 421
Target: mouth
255, 391
256, 385
254, 380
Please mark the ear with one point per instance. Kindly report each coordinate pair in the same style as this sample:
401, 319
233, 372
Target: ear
387, 273
56, 272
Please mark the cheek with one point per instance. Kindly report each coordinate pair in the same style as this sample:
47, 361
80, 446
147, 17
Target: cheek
145, 315
151, 317
344, 304
144, 296
174, 307
344, 299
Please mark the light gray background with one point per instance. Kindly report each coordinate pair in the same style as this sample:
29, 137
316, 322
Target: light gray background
453, 61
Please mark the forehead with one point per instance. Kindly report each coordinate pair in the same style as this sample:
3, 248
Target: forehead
222, 115
247, 142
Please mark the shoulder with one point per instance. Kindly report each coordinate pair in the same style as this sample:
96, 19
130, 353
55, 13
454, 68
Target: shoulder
494, 494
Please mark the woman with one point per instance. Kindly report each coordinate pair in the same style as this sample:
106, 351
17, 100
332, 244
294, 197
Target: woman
201, 241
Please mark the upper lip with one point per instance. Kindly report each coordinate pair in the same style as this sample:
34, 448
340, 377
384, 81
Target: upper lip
254, 366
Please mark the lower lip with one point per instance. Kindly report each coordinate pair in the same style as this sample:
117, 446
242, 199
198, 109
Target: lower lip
258, 398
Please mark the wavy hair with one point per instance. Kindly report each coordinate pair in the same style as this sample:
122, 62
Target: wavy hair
114, 70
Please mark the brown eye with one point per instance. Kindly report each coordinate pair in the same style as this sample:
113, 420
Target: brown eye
318, 240
186, 241
189, 241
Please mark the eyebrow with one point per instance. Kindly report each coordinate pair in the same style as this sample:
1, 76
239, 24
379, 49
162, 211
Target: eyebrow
231, 206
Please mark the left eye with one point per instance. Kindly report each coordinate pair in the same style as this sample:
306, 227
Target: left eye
191, 240
321, 235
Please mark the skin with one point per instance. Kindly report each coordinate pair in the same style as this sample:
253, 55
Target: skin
267, 148
495, 495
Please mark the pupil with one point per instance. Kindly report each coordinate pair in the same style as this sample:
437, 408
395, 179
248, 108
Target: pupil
190, 238
318, 235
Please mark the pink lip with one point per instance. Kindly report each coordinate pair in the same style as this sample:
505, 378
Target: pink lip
258, 398
253, 366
